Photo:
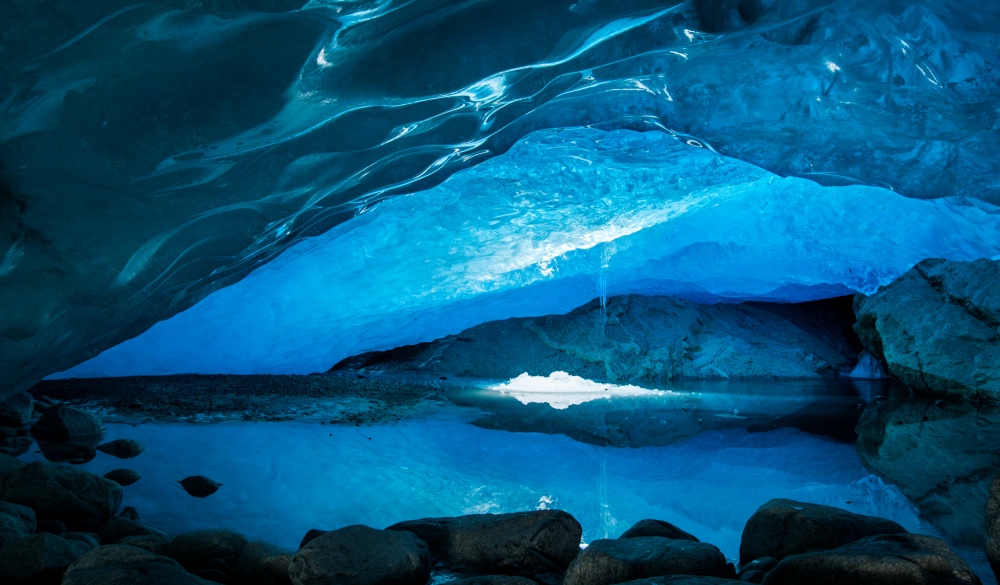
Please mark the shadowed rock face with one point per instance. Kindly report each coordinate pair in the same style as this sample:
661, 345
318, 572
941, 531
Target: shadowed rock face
937, 328
151, 153
643, 339
941, 455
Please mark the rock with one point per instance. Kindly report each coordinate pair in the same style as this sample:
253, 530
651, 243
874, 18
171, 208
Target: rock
202, 550
200, 486
40, 559
888, 559
522, 543
781, 528
493, 580
15, 446
130, 513
359, 555
616, 561
23, 514
76, 452
313, 533
754, 571
656, 528
123, 477
16, 410
993, 527
61, 423
755, 576
122, 448
78, 498
89, 538
155, 544
936, 328
8, 464
13, 528
51, 527
118, 528
127, 565
263, 564
642, 339
681, 580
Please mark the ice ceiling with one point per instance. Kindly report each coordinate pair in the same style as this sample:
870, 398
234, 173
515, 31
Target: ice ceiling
151, 154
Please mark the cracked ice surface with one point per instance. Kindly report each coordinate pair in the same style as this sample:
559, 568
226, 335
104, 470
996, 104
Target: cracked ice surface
563, 216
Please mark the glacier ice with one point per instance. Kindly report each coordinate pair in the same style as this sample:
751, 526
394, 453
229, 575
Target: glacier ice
538, 230
561, 390
152, 153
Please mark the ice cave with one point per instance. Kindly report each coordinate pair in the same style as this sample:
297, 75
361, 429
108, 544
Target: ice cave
499, 292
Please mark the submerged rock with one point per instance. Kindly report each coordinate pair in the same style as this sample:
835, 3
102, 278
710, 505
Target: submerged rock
39, 560
78, 498
359, 555
158, 545
889, 559
61, 423
206, 551
125, 564
263, 564
937, 327
16, 410
781, 528
200, 486
605, 562
118, 528
992, 526
123, 477
656, 528
493, 580
122, 448
522, 543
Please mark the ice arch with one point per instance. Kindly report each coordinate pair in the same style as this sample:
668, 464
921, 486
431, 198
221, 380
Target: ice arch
559, 219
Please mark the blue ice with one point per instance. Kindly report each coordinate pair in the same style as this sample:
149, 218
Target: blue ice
563, 216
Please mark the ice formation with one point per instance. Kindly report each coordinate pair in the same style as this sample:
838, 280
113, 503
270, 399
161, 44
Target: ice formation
152, 153
530, 233
561, 390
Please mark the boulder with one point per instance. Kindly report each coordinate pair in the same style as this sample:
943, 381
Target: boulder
13, 528
89, 538
993, 527
118, 528
493, 580
123, 564
23, 514
888, 559
681, 580
656, 528
15, 446
313, 533
62, 423
937, 328
605, 562
77, 452
40, 559
359, 555
16, 410
263, 564
781, 528
158, 545
522, 543
78, 498
129, 512
200, 486
122, 448
8, 464
123, 477
208, 550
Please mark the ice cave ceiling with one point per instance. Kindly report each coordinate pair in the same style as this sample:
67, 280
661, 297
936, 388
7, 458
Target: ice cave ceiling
154, 153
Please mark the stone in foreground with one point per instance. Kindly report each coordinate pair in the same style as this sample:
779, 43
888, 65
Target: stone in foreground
606, 562
61, 423
522, 543
889, 559
78, 498
122, 564
657, 528
263, 564
38, 560
359, 555
781, 528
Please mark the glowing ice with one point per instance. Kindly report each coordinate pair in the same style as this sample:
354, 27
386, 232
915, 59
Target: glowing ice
561, 390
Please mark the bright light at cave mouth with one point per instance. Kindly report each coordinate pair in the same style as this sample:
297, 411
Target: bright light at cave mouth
561, 390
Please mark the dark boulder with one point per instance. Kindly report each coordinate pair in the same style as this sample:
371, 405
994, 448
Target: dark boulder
781, 528
993, 527
208, 551
16, 410
122, 448
8, 464
118, 528
127, 565
263, 564
359, 555
313, 533
158, 545
40, 559
123, 477
605, 562
89, 538
129, 512
200, 486
77, 452
522, 543
657, 528
16, 522
78, 498
682, 580
888, 559
493, 580
61, 423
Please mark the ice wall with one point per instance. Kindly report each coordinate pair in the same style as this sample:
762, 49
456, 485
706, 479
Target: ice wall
560, 218
153, 152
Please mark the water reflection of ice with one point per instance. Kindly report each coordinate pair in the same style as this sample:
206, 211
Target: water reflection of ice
561, 390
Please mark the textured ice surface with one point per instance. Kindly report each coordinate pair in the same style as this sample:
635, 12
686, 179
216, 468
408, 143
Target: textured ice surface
561, 218
281, 479
561, 390
153, 152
